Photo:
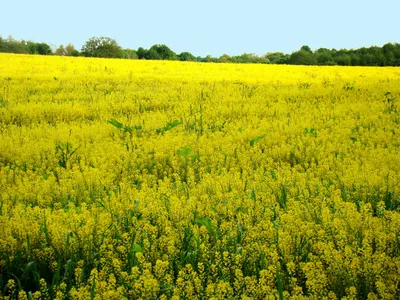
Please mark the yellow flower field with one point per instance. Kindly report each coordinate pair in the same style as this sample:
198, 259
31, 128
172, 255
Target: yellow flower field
166, 180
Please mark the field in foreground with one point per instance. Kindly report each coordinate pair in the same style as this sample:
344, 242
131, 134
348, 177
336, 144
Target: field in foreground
132, 179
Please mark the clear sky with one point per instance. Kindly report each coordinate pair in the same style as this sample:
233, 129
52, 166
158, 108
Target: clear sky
206, 27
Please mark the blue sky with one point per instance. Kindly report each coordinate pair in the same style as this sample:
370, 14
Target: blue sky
206, 27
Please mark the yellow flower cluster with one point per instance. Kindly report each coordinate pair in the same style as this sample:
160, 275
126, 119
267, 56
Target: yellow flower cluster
166, 180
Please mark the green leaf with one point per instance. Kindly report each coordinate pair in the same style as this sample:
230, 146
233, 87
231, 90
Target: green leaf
115, 123
208, 224
137, 248
184, 151
195, 157
256, 139
168, 126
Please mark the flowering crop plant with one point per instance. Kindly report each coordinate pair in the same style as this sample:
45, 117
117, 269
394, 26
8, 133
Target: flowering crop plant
167, 180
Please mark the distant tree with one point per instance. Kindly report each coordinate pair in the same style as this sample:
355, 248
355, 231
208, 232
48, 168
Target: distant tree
186, 56
277, 57
306, 48
129, 54
324, 56
303, 57
209, 58
355, 59
344, 60
379, 57
43, 49
387, 55
61, 51
388, 48
11, 45
244, 58
3, 45
396, 53
32, 48
225, 58
369, 60
152, 54
38, 48
256, 59
161, 52
71, 51
141, 53
68, 50
75, 53
388, 52
249, 58
102, 47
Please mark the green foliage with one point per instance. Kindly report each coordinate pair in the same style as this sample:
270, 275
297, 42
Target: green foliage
206, 222
64, 153
186, 56
168, 126
11, 45
390, 102
39, 48
115, 123
43, 49
256, 139
184, 151
388, 55
141, 53
101, 47
157, 52
68, 50
311, 131
344, 60
129, 54
61, 51
124, 128
324, 57
277, 58
303, 57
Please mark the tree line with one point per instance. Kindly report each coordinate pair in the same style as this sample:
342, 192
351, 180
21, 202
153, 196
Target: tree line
387, 55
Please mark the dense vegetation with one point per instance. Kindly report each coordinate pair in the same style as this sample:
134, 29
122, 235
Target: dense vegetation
130, 179
388, 55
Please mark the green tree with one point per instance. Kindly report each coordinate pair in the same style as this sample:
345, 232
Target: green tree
379, 57
277, 57
343, 60
252, 58
11, 45
32, 48
209, 58
141, 53
3, 45
68, 50
102, 47
324, 57
43, 49
355, 59
225, 58
71, 51
152, 54
388, 52
306, 48
161, 52
303, 57
396, 53
129, 54
38, 48
186, 56
61, 51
